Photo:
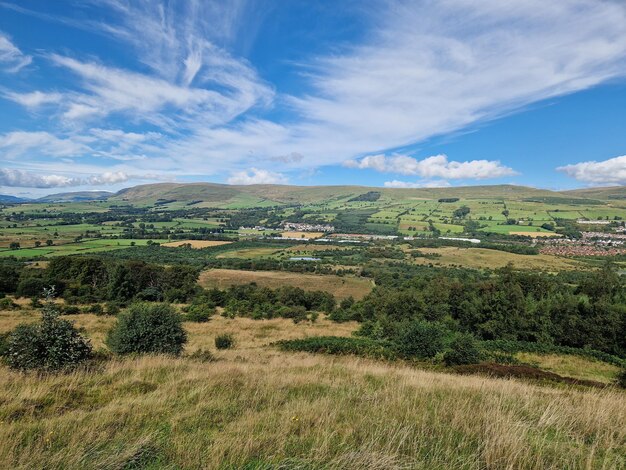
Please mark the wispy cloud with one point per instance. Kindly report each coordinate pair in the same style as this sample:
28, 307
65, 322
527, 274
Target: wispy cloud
12, 59
22, 143
608, 172
425, 69
34, 99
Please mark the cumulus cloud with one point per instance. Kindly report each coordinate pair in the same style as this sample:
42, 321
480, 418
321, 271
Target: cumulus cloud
609, 172
257, 176
11, 58
27, 179
417, 184
437, 166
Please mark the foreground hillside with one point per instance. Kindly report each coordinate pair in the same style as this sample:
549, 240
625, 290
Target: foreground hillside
256, 407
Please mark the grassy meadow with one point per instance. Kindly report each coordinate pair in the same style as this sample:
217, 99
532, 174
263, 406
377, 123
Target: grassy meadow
340, 286
259, 408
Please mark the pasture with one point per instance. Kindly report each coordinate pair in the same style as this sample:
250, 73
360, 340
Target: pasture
340, 286
481, 258
256, 407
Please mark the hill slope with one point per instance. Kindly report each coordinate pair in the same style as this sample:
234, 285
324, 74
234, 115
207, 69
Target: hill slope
222, 195
77, 196
610, 192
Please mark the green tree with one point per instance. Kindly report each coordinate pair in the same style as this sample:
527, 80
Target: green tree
49, 345
147, 328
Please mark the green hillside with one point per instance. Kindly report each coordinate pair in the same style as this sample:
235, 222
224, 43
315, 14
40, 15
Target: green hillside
220, 195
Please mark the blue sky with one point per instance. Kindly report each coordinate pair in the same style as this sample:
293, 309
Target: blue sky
112, 93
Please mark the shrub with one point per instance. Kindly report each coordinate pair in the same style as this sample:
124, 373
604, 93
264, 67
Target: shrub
147, 328
199, 313
7, 304
224, 341
463, 350
70, 310
30, 287
112, 308
4, 343
202, 355
50, 345
341, 346
96, 309
621, 378
297, 314
421, 339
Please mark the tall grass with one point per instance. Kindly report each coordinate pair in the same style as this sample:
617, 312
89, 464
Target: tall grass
302, 412
257, 407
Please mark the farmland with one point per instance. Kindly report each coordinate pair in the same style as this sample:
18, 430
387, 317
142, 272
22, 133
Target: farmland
478, 327
340, 287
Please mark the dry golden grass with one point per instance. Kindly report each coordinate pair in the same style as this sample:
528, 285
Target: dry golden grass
311, 247
249, 253
536, 234
257, 407
302, 412
303, 235
340, 286
486, 258
197, 243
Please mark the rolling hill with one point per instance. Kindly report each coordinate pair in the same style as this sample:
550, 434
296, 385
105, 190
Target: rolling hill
223, 195
78, 196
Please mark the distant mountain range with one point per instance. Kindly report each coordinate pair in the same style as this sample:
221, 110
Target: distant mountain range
77, 196
222, 195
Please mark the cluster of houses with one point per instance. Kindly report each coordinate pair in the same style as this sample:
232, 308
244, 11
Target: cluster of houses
591, 244
302, 227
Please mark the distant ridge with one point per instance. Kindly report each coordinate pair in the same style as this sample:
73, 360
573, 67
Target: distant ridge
78, 196
222, 195
234, 196
606, 193
6, 199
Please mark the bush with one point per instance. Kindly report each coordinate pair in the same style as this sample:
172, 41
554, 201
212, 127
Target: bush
340, 346
70, 310
463, 350
421, 339
224, 341
96, 309
50, 345
112, 308
7, 304
147, 328
4, 343
199, 313
621, 378
202, 355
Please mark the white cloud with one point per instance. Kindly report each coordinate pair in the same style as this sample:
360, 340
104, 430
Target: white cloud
11, 58
437, 166
10, 177
34, 99
417, 184
27, 179
257, 176
20, 143
609, 172
424, 69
